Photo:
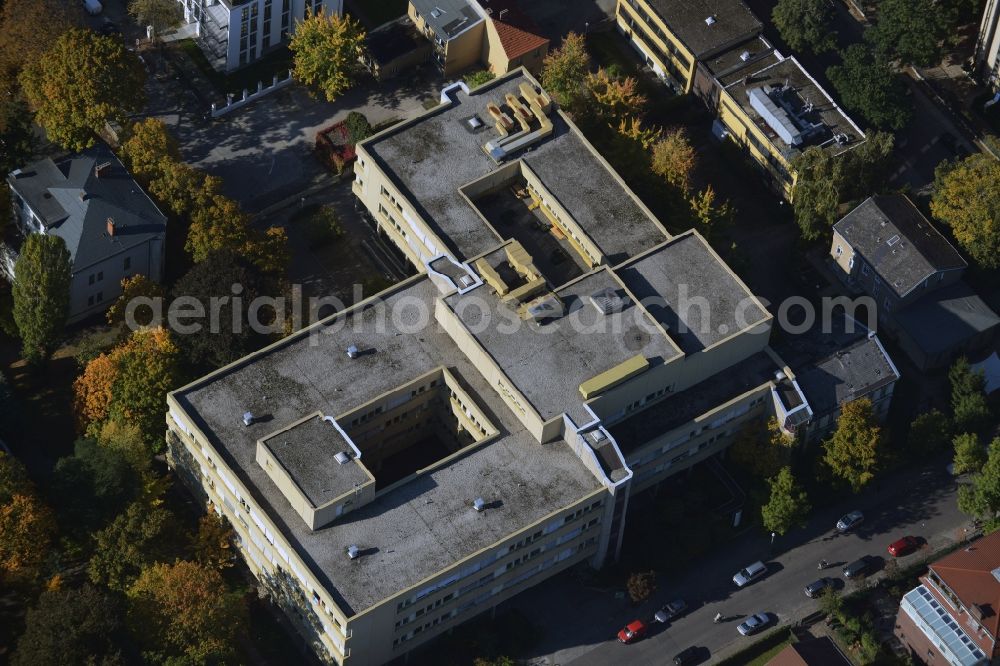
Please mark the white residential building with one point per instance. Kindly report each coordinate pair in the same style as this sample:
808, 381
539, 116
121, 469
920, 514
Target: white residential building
234, 33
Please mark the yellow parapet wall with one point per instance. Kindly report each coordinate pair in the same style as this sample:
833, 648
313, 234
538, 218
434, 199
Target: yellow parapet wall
613, 377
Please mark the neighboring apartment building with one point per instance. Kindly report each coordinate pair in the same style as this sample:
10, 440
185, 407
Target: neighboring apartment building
470, 33
888, 250
811, 652
234, 33
986, 62
673, 36
418, 458
766, 102
111, 227
952, 616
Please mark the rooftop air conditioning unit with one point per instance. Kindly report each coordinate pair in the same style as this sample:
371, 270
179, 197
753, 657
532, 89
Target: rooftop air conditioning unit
248, 418
342, 458
745, 56
710, 20
467, 280
353, 552
596, 436
352, 351
607, 301
479, 504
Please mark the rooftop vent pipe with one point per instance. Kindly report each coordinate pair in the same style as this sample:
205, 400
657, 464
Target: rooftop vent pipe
352, 351
353, 552
248, 418
479, 504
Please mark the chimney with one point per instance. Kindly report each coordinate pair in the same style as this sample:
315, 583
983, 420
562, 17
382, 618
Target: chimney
102, 170
111, 227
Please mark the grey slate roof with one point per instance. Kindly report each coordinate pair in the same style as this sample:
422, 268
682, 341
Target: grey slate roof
945, 319
74, 204
899, 243
686, 19
849, 373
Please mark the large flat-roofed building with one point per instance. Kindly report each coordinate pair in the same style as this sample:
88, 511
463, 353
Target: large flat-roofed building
418, 458
672, 36
765, 101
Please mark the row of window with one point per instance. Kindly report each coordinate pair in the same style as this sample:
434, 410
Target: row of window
671, 54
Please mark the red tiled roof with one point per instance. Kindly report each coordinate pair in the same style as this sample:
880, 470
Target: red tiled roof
518, 33
968, 572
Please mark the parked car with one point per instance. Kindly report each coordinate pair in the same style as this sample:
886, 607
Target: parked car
857, 568
671, 610
93, 7
903, 546
815, 588
753, 624
850, 521
633, 631
749, 574
689, 655
109, 27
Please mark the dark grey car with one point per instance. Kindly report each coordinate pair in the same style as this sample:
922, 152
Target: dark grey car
857, 568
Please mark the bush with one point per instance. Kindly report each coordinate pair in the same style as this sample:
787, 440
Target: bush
476, 79
357, 126
641, 585
334, 147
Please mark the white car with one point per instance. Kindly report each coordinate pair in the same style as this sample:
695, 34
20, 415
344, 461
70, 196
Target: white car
753, 624
93, 7
850, 521
749, 574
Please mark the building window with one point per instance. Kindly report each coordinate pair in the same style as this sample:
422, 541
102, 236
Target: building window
100, 276
90, 300
840, 250
864, 268
285, 15
128, 263
100, 297
91, 279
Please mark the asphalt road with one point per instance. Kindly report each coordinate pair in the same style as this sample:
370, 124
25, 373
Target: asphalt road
581, 624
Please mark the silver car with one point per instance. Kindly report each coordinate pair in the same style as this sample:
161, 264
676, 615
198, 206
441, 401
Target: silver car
753, 624
749, 574
670, 611
850, 521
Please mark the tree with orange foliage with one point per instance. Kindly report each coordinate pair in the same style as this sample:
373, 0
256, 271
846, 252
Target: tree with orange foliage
183, 611
27, 526
92, 392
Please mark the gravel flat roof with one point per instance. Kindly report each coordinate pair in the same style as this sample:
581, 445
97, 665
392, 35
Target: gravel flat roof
435, 155
548, 362
689, 290
423, 526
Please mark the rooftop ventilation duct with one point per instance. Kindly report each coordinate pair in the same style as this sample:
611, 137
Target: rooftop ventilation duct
546, 307
779, 375
479, 504
710, 20
596, 436
342, 458
607, 301
352, 351
776, 117
745, 56
353, 552
248, 418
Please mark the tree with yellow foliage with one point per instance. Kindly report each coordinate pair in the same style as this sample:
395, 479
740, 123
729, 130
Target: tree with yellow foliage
853, 452
326, 51
614, 98
762, 451
967, 199
674, 159
27, 526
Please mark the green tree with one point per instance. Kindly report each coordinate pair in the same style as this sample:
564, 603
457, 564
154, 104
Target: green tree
564, 71
72, 626
852, 453
41, 294
709, 216
805, 25
182, 188
212, 545
82, 82
788, 505
982, 497
216, 275
761, 451
929, 433
148, 367
971, 410
358, 127
326, 50
162, 15
183, 613
137, 286
970, 455
912, 31
967, 198
868, 86
139, 537
91, 486
150, 149
478, 78
826, 180
17, 142
674, 159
